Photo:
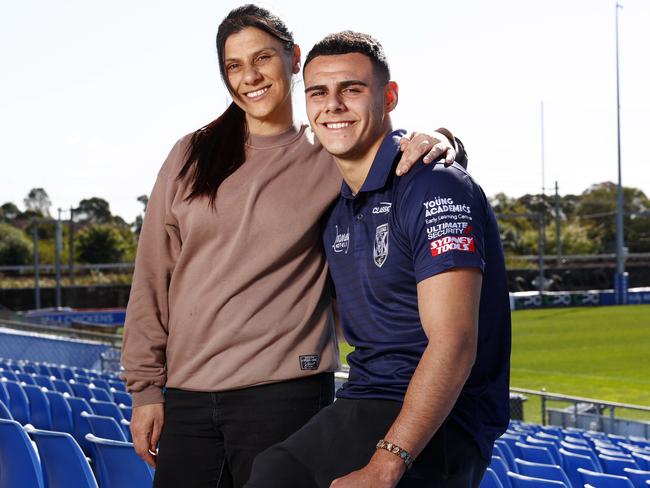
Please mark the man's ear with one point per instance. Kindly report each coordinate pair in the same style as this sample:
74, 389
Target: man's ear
295, 67
390, 96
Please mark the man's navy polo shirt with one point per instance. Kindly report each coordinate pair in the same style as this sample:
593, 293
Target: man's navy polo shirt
380, 243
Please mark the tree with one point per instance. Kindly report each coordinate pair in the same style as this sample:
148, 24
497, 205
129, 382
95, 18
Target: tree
104, 243
38, 201
144, 200
8, 212
139, 219
597, 210
93, 210
15, 246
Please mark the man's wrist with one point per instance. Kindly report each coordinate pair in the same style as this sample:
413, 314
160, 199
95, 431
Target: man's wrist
390, 467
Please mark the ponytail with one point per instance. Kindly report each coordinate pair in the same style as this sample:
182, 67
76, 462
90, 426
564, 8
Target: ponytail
215, 152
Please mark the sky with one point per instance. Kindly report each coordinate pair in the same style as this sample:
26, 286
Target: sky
94, 94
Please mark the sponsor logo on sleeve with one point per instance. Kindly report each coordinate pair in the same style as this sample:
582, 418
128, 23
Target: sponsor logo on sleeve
380, 249
451, 243
448, 225
341, 241
309, 362
441, 206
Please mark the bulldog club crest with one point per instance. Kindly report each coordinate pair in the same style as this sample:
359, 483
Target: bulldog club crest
380, 250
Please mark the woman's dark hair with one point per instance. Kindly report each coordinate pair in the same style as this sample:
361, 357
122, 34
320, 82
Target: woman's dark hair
217, 150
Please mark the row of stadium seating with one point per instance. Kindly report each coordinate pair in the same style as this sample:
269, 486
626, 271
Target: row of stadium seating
77, 414
529, 456
39, 458
70, 415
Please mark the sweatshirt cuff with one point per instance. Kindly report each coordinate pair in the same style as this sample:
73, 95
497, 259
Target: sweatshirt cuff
151, 394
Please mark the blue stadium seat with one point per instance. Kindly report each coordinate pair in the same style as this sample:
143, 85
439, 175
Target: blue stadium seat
101, 383
4, 395
643, 460
117, 465
101, 394
126, 427
84, 380
490, 480
639, 441
4, 412
521, 481
19, 466
56, 372
108, 409
603, 480
572, 439
585, 451
62, 461
123, 398
63, 387
639, 478
28, 379
500, 468
126, 411
81, 390
10, 375
61, 412
18, 402
30, 368
548, 444
551, 429
544, 471
105, 427
615, 451
39, 407
44, 381
548, 437
44, 369
572, 462
67, 373
615, 464
536, 454
118, 385
506, 453
79, 372
512, 440
80, 423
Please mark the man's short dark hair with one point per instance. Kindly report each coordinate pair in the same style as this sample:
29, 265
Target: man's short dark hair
347, 42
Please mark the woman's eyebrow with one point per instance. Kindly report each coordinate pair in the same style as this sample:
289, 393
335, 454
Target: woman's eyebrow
256, 53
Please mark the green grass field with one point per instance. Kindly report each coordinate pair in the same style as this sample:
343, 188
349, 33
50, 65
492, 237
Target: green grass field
599, 352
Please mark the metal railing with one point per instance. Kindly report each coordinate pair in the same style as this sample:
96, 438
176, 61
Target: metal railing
114, 340
599, 405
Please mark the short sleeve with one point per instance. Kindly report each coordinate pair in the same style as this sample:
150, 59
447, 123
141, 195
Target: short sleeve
441, 219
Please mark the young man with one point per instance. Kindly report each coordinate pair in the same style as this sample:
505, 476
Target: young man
421, 287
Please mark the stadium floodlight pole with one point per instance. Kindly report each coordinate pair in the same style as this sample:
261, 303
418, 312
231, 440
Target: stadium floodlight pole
558, 235
621, 293
71, 246
57, 257
541, 207
37, 265
541, 115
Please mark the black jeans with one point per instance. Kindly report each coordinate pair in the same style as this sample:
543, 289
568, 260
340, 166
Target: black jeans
210, 439
342, 439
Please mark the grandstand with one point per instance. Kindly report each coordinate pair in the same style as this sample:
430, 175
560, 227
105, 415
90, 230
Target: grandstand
65, 413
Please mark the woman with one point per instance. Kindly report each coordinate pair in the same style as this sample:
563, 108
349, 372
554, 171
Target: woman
229, 308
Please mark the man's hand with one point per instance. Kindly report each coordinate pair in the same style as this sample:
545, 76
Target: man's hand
432, 147
146, 424
383, 471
